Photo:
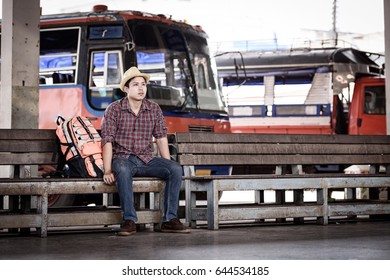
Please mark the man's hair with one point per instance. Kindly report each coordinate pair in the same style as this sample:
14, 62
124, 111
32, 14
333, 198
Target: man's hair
128, 82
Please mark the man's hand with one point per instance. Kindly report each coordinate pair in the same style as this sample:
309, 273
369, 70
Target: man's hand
109, 178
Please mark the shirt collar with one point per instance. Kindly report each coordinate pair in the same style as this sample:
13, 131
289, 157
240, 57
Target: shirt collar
126, 105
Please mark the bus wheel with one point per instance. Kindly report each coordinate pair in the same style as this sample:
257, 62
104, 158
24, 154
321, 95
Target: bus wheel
61, 200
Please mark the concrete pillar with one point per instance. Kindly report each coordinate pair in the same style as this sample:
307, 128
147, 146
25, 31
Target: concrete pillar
20, 64
386, 11
269, 86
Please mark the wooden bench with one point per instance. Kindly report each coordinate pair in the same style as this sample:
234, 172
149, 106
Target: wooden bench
25, 150
277, 163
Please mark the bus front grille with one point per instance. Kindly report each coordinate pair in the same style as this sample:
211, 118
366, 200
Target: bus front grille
200, 128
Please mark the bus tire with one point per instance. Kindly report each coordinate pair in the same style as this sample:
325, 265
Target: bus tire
61, 200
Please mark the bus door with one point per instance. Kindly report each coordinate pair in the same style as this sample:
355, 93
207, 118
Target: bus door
104, 69
373, 119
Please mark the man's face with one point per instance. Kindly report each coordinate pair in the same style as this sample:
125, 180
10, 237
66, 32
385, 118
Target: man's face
136, 89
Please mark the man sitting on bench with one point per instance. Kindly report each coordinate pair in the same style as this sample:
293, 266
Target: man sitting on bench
127, 129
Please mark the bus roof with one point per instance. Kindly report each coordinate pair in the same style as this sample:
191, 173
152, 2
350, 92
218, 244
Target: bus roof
102, 14
301, 62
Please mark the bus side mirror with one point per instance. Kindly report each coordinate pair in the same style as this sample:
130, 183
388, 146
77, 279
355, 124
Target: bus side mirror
117, 94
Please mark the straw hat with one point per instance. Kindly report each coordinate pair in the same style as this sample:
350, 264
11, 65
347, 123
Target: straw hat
132, 73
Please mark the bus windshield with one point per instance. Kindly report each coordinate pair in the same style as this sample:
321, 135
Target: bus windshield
163, 52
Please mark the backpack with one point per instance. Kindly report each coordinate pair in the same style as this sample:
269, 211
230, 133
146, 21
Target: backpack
79, 147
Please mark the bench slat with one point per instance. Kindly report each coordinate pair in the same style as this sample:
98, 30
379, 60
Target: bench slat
21, 221
37, 186
89, 218
359, 209
205, 148
27, 158
75, 187
218, 159
182, 137
23, 134
290, 211
27, 146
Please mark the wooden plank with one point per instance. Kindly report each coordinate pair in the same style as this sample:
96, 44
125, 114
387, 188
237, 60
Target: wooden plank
292, 183
69, 218
72, 186
331, 177
282, 149
20, 220
192, 137
277, 159
9, 188
27, 158
40, 179
300, 182
22, 134
354, 181
23, 146
76, 187
269, 212
48, 180
288, 182
89, 218
358, 209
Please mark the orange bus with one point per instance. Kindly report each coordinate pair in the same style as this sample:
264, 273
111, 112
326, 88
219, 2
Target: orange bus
84, 55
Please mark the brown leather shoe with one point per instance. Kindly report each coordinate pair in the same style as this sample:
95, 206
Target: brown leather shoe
174, 225
127, 228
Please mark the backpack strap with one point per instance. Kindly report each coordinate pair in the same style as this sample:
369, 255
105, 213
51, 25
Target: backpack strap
59, 120
61, 157
57, 150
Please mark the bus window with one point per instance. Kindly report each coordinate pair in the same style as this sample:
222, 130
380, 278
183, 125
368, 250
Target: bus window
58, 56
374, 100
105, 75
201, 77
105, 32
208, 95
114, 74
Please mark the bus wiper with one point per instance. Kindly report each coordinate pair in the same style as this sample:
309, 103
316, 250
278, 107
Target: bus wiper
189, 96
236, 66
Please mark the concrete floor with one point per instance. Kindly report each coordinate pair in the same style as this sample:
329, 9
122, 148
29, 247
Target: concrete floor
364, 240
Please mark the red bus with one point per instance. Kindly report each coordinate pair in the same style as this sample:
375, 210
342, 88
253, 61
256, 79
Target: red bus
305, 91
84, 55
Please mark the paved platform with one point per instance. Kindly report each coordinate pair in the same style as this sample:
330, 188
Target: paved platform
365, 240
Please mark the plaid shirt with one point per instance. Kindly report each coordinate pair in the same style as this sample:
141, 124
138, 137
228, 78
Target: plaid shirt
130, 133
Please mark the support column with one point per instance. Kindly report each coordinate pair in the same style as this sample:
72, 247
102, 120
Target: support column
269, 93
269, 85
20, 64
386, 12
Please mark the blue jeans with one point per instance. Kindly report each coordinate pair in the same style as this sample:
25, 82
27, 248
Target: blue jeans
168, 170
